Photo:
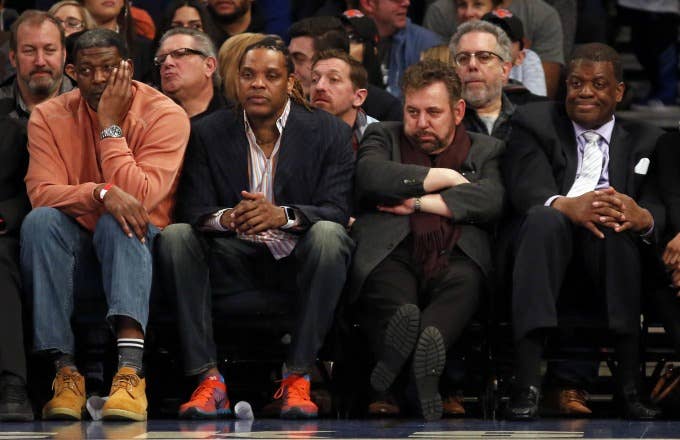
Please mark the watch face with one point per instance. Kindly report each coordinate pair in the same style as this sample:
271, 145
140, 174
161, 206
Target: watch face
290, 213
115, 131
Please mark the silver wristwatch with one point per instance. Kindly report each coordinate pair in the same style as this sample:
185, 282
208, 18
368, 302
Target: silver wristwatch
112, 131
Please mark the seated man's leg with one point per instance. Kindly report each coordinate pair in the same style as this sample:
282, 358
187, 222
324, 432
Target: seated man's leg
127, 272
14, 402
390, 320
452, 298
185, 258
322, 257
53, 245
543, 250
616, 266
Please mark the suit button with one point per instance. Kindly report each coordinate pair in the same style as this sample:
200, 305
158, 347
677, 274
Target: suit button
443, 252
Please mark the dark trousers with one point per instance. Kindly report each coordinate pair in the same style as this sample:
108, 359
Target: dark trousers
196, 266
12, 355
447, 301
550, 250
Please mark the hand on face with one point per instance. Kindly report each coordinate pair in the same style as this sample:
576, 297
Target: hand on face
115, 99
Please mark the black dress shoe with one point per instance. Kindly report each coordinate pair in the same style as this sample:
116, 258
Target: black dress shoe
14, 402
633, 408
523, 404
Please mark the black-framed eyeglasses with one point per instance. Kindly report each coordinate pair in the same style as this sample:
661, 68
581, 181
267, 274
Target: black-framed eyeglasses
71, 23
177, 53
463, 59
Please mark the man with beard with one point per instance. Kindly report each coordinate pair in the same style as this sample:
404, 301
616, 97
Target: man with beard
427, 192
481, 52
231, 17
104, 163
37, 53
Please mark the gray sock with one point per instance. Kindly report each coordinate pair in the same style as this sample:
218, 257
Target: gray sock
130, 353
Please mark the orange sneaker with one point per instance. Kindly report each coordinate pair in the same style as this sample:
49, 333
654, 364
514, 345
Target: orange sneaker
296, 404
208, 401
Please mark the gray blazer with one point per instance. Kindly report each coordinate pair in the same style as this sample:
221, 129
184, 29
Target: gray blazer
382, 178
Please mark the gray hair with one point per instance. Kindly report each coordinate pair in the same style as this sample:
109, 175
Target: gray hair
503, 43
203, 43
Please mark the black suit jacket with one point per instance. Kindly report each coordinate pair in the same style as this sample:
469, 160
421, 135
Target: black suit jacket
541, 159
14, 203
313, 171
382, 178
668, 171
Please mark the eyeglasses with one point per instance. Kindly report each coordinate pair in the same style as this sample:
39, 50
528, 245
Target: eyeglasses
71, 23
483, 57
176, 54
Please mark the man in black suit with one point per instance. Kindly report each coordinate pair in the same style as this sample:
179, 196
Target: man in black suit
576, 180
266, 190
428, 191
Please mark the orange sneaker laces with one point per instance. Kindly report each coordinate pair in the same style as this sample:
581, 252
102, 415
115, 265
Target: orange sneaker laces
203, 393
297, 387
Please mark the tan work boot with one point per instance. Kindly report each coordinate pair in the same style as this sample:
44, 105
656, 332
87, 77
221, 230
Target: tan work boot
69, 398
127, 400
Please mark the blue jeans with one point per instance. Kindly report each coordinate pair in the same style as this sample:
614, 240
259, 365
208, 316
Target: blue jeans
60, 260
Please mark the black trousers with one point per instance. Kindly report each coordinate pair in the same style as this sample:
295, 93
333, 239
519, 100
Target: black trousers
550, 250
447, 301
196, 266
12, 355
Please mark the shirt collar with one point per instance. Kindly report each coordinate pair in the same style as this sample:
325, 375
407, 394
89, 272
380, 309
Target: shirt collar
280, 122
605, 130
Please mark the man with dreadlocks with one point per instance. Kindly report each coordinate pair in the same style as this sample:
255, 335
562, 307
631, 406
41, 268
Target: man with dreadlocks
266, 191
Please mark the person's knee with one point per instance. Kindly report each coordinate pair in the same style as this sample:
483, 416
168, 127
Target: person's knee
108, 226
328, 234
173, 241
545, 220
41, 225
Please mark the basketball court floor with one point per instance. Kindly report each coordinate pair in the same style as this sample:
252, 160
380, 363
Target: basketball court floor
345, 429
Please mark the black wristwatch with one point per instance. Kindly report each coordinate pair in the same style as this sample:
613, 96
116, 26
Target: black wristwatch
290, 217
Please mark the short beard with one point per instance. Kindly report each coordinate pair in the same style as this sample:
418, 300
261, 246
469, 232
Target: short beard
43, 89
231, 18
429, 147
483, 97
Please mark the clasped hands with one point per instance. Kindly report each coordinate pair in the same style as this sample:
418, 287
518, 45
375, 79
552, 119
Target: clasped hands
605, 207
253, 214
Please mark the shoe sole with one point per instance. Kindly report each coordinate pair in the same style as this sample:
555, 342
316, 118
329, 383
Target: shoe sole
197, 414
16, 417
62, 414
400, 338
121, 414
428, 365
296, 413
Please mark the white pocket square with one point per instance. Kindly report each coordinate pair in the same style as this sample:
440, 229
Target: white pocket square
642, 166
